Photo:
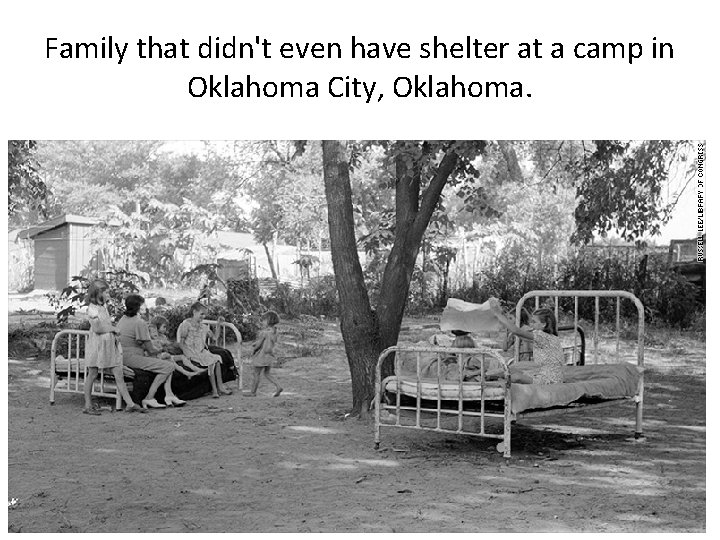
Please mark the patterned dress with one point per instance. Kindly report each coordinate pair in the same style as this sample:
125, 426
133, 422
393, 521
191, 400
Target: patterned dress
102, 350
193, 340
549, 358
263, 354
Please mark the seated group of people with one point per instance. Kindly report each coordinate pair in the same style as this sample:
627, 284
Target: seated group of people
166, 373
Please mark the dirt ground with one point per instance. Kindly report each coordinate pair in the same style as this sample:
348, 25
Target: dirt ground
296, 463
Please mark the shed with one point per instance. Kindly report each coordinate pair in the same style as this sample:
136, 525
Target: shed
63, 249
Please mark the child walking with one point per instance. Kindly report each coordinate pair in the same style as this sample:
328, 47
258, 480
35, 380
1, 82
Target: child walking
547, 349
192, 336
103, 349
263, 350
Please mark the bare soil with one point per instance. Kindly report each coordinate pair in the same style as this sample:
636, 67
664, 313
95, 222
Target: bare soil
297, 463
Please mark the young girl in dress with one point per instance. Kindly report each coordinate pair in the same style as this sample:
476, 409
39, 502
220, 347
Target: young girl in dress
103, 349
192, 336
161, 341
263, 350
549, 361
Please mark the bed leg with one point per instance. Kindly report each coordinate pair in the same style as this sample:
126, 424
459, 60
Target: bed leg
53, 382
504, 446
639, 413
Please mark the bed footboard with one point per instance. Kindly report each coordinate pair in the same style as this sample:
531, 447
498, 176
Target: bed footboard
439, 403
68, 369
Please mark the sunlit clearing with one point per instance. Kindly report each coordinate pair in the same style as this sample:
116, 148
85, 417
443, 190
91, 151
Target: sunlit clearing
42, 382
337, 460
638, 517
106, 450
597, 452
574, 430
313, 429
628, 486
375, 462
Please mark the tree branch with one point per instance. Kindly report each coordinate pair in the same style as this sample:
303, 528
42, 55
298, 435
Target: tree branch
432, 192
511, 160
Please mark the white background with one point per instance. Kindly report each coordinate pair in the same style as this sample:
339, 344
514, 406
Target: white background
571, 98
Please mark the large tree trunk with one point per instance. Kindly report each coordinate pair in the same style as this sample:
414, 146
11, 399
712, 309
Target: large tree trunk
412, 218
357, 321
365, 335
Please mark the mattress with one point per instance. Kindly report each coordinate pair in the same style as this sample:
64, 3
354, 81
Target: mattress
63, 366
594, 382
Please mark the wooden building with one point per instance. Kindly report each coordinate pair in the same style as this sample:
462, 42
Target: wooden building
63, 249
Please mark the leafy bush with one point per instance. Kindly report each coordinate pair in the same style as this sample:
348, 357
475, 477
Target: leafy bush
245, 292
666, 295
72, 297
318, 298
246, 323
671, 298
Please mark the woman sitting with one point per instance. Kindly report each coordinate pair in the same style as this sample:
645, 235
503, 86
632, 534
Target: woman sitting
192, 335
134, 337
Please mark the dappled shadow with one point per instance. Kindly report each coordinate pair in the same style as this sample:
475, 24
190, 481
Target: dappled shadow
297, 463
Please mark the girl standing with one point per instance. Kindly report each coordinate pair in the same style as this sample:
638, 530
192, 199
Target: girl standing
192, 336
263, 350
103, 349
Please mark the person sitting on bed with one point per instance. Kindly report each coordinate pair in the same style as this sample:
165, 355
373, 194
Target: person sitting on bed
161, 341
547, 348
473, 367
192, 335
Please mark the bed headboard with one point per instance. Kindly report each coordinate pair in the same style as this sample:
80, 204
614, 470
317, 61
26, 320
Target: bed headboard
618, 296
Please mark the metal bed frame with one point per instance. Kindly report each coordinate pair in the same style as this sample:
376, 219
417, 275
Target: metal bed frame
395, 412
72, 342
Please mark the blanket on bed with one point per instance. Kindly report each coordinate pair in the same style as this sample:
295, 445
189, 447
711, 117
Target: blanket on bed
601, 382
597, 382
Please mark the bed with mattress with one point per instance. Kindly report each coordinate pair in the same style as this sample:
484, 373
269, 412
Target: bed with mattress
430, 387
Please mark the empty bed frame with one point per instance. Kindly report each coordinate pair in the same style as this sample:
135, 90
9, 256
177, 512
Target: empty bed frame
419, 395
68, 370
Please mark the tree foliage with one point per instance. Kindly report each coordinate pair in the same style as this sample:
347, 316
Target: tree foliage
618, 186
27, 192
620, 189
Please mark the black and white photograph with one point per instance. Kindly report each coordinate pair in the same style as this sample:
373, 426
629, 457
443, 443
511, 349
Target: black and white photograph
356, 336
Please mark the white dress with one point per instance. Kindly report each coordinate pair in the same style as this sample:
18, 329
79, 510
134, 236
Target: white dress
103, 349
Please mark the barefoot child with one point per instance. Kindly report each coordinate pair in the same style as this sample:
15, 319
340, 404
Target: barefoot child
103, 350
192, 336
263, 356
